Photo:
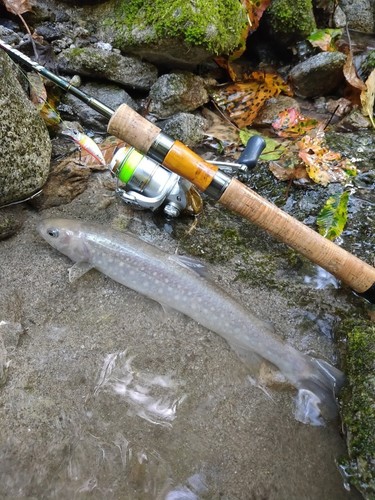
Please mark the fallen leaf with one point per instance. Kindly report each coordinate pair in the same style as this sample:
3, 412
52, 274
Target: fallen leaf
291, 123
322, 164
273, 149
368, 97
17, 7
242, 101
324, 39
350, 73
284, 173
220, 129
38, 92
333, 216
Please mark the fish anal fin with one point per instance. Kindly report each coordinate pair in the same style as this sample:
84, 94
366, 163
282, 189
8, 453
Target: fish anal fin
78, 270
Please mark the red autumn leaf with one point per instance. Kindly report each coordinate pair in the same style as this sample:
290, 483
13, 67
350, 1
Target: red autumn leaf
255, 10
17, 7
291, 123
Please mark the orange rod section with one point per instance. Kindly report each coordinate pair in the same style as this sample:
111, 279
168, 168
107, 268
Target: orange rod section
184, 162
345, 266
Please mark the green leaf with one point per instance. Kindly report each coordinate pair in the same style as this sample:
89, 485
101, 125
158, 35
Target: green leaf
333, 216
325, 38
273, 149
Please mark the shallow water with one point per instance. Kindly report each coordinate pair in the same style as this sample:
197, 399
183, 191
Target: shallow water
107, 396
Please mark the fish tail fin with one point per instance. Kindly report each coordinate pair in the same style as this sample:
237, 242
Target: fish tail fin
316, 399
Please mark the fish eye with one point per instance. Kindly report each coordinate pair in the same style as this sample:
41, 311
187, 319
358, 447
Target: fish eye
53, 232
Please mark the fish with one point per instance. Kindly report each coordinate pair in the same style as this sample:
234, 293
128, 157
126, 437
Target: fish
179, 283
86, 143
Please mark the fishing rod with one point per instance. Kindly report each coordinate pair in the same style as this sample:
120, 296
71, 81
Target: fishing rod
146, 137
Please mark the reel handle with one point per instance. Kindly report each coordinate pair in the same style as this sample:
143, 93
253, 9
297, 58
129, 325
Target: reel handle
128, 125
250, 155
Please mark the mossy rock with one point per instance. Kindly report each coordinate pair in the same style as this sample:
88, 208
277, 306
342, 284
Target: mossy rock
176, 33
358, 404
291, 20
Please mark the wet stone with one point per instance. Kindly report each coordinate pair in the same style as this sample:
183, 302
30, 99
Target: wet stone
174, 92
319, 75
185, 127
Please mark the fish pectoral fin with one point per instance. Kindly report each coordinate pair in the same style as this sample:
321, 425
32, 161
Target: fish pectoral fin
167, 310
193, 264
78, 269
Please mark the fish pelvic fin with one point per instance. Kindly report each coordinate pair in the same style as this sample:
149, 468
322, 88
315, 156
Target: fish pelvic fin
316, 398
78, 269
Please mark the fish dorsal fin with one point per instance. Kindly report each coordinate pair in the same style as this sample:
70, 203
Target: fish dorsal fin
191, 263
78, 269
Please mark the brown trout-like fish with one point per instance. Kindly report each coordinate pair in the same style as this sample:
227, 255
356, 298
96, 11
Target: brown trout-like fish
176, 282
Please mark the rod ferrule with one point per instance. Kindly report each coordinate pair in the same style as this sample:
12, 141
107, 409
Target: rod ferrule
160, 147
218, 185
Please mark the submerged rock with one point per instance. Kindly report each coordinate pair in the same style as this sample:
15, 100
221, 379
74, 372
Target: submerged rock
358, 404
25, 144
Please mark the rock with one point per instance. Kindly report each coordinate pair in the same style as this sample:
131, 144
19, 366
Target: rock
272, 107
176, 33
174, 92
359, 14
67, 180
318, 75
25, 143
290, 20
11, 220
104, 64
185, 127
353, 121
9, 36
109, 94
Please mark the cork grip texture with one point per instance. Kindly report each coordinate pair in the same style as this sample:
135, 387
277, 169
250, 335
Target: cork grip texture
128, 125
183, 161
345, 266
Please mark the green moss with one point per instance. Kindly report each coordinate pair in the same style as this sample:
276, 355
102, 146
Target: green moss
368, 64
358, 403
293, 18
216, 25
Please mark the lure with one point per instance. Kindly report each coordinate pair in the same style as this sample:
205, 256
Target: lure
85, 143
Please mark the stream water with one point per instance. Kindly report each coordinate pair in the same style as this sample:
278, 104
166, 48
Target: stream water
107, 396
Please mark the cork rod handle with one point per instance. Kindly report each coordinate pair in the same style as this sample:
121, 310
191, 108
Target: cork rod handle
345, 266
128, 125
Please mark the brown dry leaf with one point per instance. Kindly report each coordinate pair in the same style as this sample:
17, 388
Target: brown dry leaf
351, 74
368, 97
242, 101
220, 129
287, 173
17, 7
38, 92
